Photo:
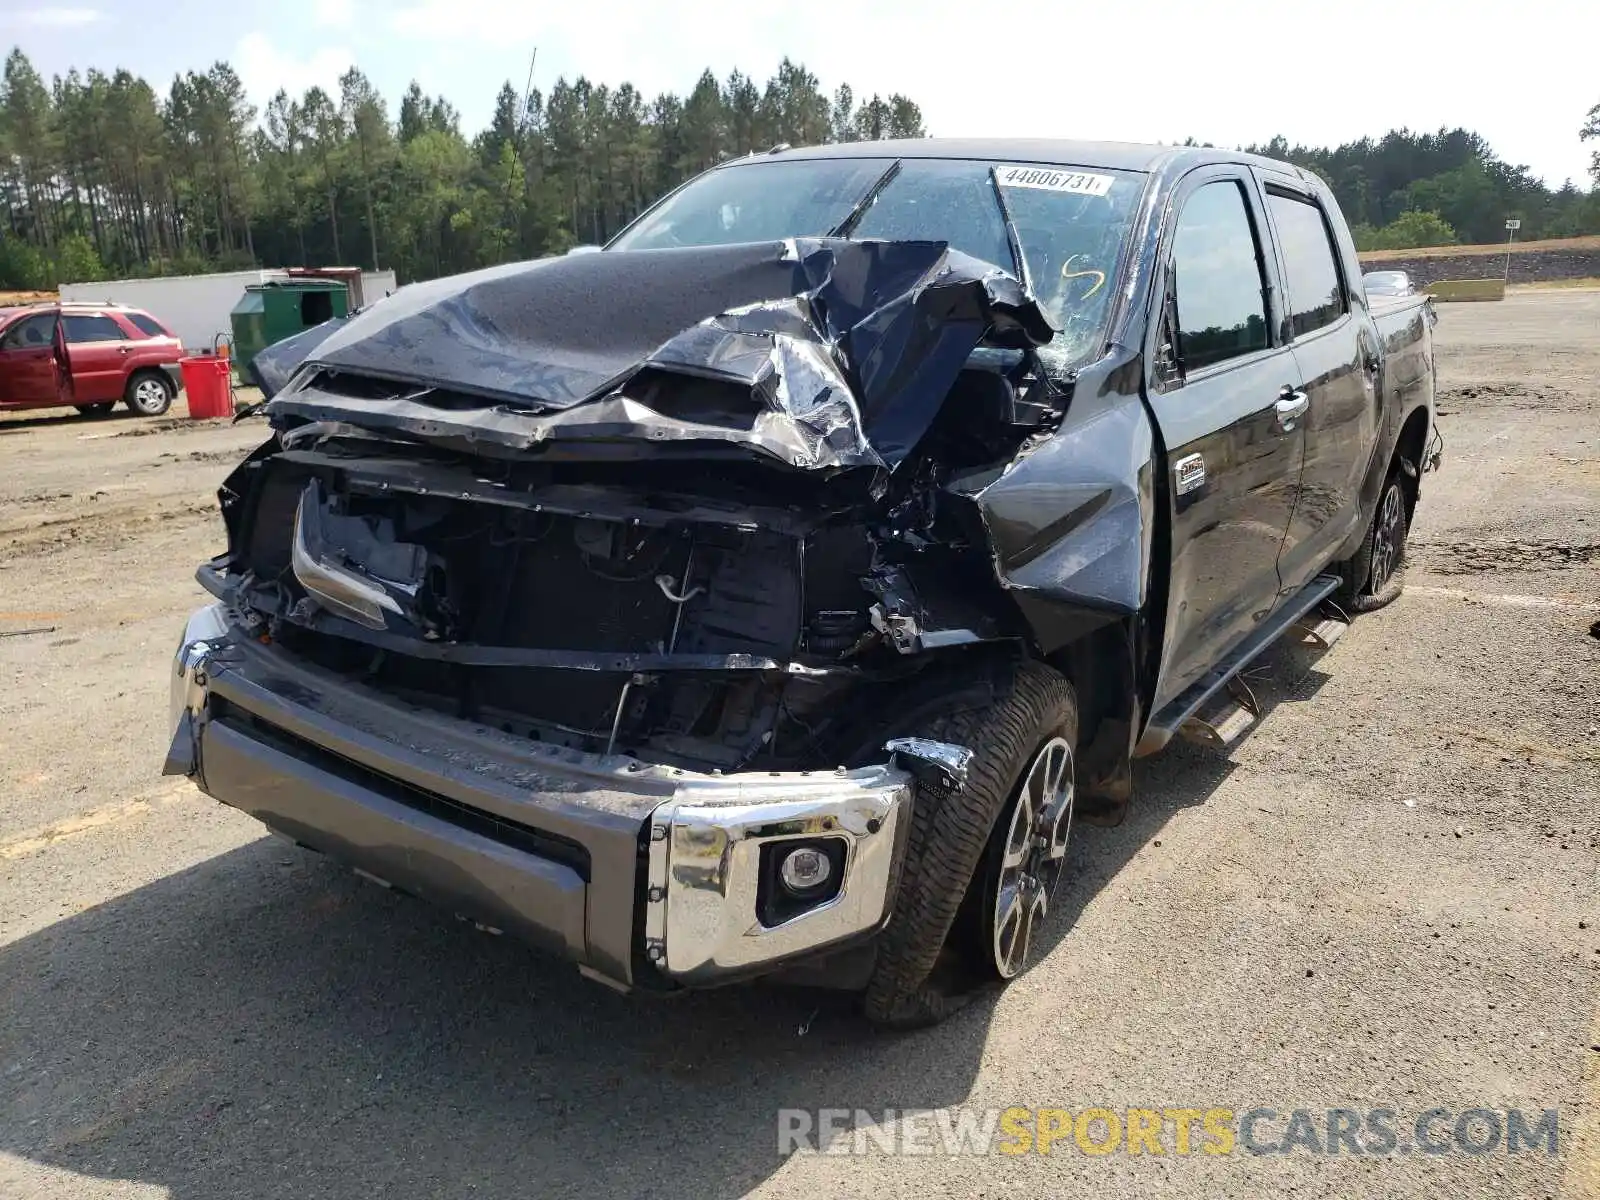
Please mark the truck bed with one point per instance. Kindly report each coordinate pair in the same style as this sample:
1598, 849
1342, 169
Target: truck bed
1403, 323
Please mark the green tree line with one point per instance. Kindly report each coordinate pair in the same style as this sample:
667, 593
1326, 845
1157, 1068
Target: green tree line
101, 176
1410, 189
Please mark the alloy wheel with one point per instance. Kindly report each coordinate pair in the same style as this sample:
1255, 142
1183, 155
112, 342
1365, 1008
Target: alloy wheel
149, 396
1386, 539
1035, 850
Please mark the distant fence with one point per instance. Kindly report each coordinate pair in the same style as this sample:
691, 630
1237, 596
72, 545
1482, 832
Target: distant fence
1467, 289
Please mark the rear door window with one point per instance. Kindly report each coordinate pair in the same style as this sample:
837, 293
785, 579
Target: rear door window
146, 324
1310, 264
1217, 260
83, 328
30, 332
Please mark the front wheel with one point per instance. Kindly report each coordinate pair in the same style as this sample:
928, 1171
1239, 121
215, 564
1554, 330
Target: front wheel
1376, 574
984, 858
1024, 861
149, 394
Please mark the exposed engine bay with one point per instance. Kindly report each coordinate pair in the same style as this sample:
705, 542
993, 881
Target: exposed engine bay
721, 532
685, 628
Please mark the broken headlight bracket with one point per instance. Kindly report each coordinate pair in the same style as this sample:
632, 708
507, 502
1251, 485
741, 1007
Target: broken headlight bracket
896, 615
928, 761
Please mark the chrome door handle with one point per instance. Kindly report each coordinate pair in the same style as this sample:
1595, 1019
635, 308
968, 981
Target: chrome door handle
1291, 406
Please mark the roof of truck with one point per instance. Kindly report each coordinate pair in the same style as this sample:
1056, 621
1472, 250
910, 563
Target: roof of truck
1117, 156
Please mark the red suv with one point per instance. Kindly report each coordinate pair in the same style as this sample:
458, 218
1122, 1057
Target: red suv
88, 355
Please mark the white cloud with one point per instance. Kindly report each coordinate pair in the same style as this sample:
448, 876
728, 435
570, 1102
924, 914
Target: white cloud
487, 20
334, 14
1144, 70
55, 18
264, 68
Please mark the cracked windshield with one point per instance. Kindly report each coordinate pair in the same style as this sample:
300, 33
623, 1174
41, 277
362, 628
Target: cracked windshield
1071, 224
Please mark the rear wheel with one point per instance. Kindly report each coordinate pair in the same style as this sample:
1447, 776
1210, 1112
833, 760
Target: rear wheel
983, 859
149, 393
97, 410
1376, 574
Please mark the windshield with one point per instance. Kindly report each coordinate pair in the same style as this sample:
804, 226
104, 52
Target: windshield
1071, 223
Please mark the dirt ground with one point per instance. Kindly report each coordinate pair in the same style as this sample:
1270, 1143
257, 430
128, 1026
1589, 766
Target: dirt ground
1383, 898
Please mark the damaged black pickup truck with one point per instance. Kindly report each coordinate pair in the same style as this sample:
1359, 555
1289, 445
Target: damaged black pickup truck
771, 591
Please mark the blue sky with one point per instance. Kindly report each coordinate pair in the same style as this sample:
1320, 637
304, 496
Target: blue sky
1227, 71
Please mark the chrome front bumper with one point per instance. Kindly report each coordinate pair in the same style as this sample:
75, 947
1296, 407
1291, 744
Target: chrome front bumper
703, 844
705, 874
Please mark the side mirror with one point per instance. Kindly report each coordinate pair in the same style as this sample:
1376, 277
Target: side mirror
584, 250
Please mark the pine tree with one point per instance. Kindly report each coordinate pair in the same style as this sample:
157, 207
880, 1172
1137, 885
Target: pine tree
100, 173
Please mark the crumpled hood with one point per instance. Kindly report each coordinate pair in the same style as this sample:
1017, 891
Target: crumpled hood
822, 352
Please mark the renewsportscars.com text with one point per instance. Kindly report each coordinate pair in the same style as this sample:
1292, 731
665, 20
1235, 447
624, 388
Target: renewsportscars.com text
1099, 1130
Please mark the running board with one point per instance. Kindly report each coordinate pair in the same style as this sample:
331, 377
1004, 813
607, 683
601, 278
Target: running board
1224, 719
1228, 714
1321, 632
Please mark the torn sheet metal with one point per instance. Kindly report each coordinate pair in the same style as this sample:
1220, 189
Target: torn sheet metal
949, 762
272, 368
819, 352
1070, 523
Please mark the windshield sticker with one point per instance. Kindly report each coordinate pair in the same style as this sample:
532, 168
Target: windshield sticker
1051, 180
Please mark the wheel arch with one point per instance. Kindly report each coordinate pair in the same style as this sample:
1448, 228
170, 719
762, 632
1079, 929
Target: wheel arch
149, 372
1409, 449
1103, 667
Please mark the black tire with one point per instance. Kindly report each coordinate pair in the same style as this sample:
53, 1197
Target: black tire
951, 840
96, 410
1375, 575
149, 393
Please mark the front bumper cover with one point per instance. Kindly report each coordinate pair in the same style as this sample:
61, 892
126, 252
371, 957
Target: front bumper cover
630, 869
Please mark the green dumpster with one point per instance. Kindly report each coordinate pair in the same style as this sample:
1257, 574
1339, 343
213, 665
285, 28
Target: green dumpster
280, 308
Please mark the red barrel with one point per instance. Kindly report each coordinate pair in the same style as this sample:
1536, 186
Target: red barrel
207, 382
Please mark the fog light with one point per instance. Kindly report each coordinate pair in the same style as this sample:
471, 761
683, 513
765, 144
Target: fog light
798, 876
805, 869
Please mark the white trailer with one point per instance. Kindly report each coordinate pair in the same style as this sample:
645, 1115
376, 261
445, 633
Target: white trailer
196, 307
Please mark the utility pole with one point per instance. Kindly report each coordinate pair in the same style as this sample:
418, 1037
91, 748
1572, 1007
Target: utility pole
522, 158
1511, 235
527, 95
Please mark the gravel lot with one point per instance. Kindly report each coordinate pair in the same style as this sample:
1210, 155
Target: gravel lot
1385, 897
